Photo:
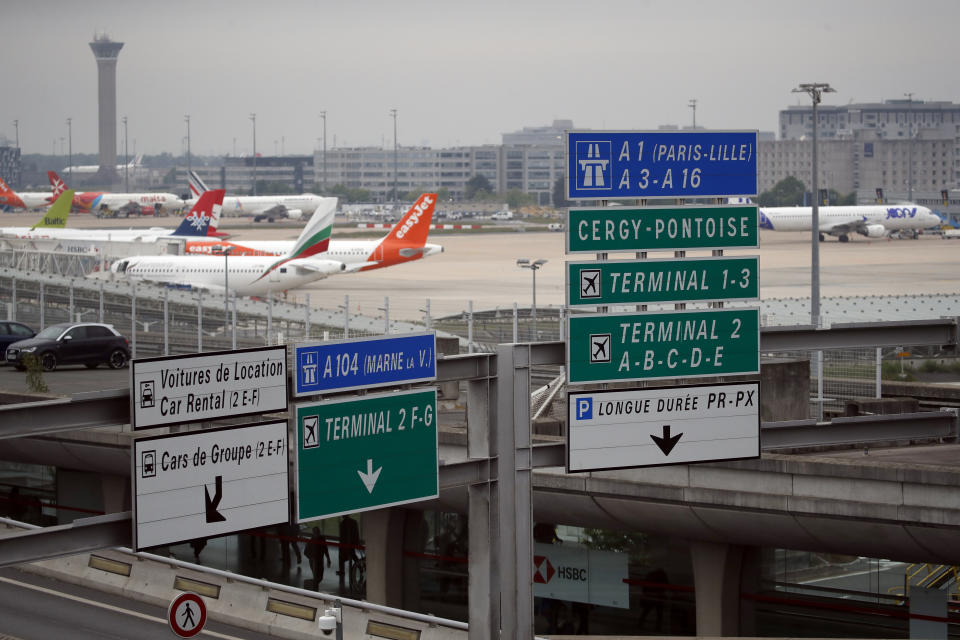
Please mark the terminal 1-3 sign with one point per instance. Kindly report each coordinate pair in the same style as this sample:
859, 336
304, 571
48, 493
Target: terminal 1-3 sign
358, 454
609, 165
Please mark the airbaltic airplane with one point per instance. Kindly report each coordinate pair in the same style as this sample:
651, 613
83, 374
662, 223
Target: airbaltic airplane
24, 199
103, 201
248, 275
872, 221
405, 242
264, 207
194, 225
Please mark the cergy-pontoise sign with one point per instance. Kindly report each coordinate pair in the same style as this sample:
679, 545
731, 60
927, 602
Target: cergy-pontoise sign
207, 386
606, 229
605, 165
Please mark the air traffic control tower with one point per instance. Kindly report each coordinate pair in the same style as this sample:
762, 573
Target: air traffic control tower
106, 52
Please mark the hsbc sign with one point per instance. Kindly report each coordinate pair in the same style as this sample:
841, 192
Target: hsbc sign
577, 574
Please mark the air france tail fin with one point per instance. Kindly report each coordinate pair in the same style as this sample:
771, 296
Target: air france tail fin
196, 222
56, 215
9, 198
197, 185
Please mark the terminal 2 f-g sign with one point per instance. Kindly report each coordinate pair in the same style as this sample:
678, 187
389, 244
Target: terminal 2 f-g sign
611, 165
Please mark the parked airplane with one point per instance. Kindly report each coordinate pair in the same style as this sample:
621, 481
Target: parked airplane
244, 275
88, 169
872, 221
406, 241
120, 204
24, 199
194, 225
54, 218
262, 207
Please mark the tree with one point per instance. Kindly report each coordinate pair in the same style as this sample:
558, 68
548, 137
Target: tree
478, 185
516, 198
559, 194
788, 192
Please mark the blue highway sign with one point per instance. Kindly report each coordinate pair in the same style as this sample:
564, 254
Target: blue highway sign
364, 363
611, 165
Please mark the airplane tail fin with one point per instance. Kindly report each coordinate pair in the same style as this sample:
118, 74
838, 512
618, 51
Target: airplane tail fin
57, 182
315, 237
198, 220
197, 185
56, 215
410, 233
9, 198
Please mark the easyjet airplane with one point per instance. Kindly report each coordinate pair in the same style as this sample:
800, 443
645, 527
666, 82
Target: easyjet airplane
244, 274
406, 241
24, 199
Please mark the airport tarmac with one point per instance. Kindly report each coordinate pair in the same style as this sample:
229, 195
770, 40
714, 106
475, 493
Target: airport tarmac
481, 267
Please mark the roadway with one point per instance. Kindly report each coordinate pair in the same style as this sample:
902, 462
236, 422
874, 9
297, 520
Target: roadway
35, 607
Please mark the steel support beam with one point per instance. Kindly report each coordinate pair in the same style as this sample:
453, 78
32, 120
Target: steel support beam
81, 411
857, 335
80, 536
797, 434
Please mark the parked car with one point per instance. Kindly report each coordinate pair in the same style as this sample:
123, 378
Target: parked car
11, 332
88, 343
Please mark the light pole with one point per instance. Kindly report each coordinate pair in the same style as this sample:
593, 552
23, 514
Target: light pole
393, 112
910, 146
126, 158
16, 128
70, 147
534, 266
323, 116
815, 91
693, 105
186, 119
226, 287
253, 119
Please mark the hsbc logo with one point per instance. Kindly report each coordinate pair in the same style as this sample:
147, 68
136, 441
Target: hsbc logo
542, 570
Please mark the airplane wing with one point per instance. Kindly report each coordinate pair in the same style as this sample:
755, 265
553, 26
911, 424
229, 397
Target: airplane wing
840, 228
321, 267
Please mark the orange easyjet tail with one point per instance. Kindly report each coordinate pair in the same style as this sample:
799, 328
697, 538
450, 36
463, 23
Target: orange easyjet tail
412, 230
9, 198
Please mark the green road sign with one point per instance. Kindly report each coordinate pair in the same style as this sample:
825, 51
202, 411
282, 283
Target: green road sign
366, 453
669, 344
661, 228
671, 280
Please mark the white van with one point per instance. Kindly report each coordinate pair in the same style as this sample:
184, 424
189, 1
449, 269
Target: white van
503, 215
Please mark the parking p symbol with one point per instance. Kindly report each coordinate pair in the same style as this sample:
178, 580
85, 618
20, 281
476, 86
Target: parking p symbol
584, 408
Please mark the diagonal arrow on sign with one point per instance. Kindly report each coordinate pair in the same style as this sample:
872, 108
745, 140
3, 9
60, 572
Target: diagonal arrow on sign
370, 477
211, 504
666, 443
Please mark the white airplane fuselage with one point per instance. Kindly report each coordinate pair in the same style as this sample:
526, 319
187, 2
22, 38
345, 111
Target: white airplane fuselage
305, 203
168, 202
349, 252
245, 275
870, 220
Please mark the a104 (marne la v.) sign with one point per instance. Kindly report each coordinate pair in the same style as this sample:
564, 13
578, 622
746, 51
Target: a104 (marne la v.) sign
364, 453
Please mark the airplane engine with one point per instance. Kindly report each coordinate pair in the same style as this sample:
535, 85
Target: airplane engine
294, 214
876, 231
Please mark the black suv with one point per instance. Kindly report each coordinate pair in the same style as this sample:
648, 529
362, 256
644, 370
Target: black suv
88, 343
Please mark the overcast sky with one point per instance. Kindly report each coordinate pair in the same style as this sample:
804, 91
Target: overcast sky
459, 73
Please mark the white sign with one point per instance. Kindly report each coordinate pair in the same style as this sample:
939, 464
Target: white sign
676, 425
577, 574
207, 386
209, 483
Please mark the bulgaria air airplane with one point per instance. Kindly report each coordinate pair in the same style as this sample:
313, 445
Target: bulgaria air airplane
405, 242
247, 275
872, 221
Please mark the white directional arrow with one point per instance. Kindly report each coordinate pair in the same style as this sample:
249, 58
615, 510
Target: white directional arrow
370, 477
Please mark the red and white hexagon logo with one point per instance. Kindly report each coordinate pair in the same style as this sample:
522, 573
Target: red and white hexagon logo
542, 570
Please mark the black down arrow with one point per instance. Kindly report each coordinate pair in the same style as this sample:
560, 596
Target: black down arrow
667, 443
212, 514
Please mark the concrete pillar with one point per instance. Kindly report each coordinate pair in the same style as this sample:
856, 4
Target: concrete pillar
116, 493
717, 577
383, 541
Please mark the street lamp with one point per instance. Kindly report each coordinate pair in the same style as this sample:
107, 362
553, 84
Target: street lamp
70, 143
323, 116
393, 112
910, 146
253, 119
126, 158
534, 266
226, 288
815, 90
693, 105
16, 127
186, 119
